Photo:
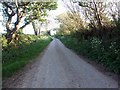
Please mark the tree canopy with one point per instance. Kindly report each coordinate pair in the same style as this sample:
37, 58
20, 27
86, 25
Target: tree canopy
30, 11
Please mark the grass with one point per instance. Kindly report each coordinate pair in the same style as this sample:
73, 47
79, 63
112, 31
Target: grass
15, 58
108, 56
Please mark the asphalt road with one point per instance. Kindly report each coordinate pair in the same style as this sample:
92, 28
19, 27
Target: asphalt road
59, 67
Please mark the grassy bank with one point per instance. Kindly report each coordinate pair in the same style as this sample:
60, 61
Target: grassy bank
106, 54
16, 55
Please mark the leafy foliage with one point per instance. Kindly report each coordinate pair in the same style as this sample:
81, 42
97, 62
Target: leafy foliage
38, 10
93, 48
18, 54
30, 11
99, 36
70, 22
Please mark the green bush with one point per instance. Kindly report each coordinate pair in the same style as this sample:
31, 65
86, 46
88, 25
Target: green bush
105, 54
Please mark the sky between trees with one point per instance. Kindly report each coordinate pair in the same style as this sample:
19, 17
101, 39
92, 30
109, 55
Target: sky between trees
51, 17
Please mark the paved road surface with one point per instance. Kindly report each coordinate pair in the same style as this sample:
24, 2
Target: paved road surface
61, 68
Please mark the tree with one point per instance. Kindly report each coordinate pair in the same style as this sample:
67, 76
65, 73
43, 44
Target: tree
114, 11
73, 12
11, 9
94, 11
36, 26
30, 10
69, 23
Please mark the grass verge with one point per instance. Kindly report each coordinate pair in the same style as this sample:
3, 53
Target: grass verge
107, 55
15, 58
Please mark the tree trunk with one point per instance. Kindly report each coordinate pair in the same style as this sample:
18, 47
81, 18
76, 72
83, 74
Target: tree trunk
9, 31
34, 27
14, 31
97, 15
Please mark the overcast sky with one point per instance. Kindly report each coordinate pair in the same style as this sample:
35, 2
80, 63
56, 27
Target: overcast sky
54, 13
